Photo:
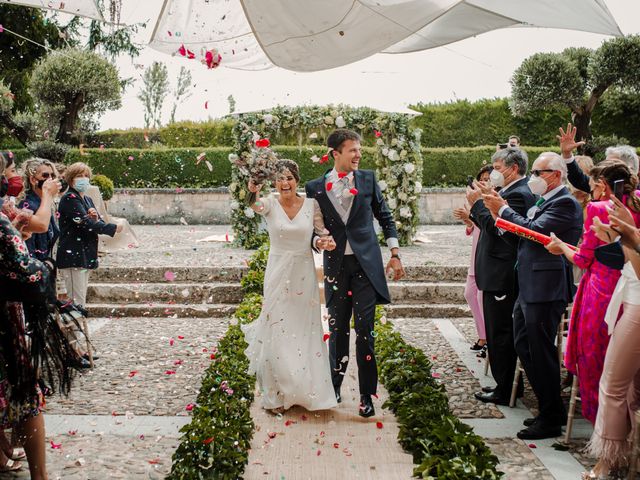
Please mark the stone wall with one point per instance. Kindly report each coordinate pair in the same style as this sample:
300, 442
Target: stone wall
211, 206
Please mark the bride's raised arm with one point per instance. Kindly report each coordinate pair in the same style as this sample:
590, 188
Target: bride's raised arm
255, 203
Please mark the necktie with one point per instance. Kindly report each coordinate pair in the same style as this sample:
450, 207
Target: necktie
344, 197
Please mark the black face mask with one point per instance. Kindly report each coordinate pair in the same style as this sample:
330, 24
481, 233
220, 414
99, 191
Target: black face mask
41, 183
610, 255
4, 186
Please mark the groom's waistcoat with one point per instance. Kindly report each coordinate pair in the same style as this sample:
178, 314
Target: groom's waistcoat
358, 230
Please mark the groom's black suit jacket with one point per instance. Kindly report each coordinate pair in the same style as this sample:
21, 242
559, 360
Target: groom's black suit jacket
359, 230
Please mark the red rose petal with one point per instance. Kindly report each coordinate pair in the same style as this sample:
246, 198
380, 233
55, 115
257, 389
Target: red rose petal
170, 372
132, 373
325, 337
55, 445
532, 445
207, 441
329, 186
325, 158
342, 174
379, 425
353, 191
336, 445
180, 337
182, 51
155, 461
189, 407
378, 133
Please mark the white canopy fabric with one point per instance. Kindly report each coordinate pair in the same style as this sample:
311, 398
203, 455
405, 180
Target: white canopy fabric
82, 8
311, 35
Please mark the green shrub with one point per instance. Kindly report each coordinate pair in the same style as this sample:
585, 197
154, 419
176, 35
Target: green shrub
442, 446
214, 133
131, 138
49, 149
172, 168
104, 184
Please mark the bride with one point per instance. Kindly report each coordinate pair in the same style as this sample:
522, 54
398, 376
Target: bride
286, 347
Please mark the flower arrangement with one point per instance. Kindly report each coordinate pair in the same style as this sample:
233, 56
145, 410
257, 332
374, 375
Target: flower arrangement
259, 164
398, 161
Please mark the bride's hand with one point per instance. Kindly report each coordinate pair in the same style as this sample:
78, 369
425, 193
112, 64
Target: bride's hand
326, 243
253, 188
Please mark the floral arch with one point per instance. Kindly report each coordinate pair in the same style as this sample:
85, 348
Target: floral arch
397, 158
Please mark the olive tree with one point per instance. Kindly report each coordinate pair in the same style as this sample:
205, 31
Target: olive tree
576, 78
71, 83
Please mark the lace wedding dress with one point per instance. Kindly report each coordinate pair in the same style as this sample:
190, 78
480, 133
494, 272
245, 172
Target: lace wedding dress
286, 347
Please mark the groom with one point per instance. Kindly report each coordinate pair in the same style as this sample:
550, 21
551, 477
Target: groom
354, 277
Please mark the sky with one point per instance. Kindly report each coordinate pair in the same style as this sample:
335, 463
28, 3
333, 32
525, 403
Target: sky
475, 68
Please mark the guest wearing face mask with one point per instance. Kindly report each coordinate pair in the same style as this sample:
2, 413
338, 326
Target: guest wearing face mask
545, 287
25, 221
36, 172
80, 225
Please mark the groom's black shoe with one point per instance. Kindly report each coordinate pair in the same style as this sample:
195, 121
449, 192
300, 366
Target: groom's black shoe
338, 396
366, 406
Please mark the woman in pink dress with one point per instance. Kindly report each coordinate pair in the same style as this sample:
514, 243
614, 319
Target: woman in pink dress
588, 333
471, 292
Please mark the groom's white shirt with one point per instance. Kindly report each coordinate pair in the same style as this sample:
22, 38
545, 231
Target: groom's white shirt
344, 213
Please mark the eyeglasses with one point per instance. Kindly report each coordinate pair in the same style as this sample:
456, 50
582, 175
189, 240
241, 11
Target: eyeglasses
537, 173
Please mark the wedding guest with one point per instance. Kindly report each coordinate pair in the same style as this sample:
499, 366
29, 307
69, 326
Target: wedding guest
495, 262
588, 334
125, 240
619, 395
23, 308
80, 225
580, 180
472, 294
546, 287
36, 172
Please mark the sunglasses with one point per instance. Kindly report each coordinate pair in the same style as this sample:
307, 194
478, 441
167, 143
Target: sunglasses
537, 173
48, 175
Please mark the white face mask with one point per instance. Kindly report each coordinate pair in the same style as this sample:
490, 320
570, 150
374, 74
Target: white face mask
538, 185
496, 178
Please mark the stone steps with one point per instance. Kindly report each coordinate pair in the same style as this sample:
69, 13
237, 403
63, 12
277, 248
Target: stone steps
231, 293
198, 274
157, 310
217, 311
416, 310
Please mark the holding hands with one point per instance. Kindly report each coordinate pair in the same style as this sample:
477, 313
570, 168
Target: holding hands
326, 242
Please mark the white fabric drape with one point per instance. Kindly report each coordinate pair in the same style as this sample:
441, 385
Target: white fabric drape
310, 35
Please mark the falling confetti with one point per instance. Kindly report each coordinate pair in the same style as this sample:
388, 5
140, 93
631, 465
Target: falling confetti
169, 276
133, 373
379, 425
200, 157
55, 446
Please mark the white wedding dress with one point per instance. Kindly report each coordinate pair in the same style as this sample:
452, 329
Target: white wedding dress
286, 348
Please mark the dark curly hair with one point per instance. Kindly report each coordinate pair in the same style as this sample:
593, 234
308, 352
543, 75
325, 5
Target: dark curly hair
286, 164
483, 170
341, 135
612, 170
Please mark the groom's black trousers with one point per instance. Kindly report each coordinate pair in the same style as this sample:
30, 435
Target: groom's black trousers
353, 294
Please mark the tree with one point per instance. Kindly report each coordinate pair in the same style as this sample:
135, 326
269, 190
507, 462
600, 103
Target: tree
17, 56
576, 78
181, 92
153, 93
71, 83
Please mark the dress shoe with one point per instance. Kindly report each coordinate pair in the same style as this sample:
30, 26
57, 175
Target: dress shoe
538, 431
530, 421
491, 398
86, 356
338, 396
366, 406
488, 389
83, 363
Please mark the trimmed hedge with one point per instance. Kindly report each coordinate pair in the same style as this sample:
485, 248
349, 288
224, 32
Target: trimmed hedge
442, 446
171, 168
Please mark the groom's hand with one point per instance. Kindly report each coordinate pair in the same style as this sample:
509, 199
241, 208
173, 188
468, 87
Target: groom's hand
395, 266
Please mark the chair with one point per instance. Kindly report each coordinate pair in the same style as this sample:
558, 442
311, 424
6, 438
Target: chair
573, 399
559, 342
635, 450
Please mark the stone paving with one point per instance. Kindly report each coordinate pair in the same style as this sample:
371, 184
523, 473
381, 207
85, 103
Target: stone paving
103, 446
